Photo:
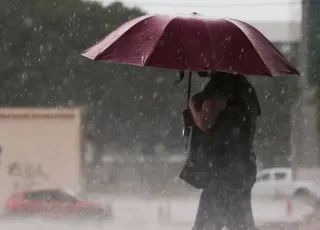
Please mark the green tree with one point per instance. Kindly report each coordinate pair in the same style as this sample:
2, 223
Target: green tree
41, 66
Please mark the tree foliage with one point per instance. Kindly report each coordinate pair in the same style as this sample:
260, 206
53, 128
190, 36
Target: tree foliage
41, 65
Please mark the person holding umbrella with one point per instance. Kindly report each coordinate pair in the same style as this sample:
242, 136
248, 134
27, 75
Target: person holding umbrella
223, 117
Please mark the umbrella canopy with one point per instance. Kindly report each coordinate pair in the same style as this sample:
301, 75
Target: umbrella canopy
192, 43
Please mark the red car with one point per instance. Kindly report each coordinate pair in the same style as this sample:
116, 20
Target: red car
53, 203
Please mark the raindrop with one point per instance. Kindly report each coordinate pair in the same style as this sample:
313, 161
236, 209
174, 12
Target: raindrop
28, 21
71, 103
155, 95
160, 79
161, 43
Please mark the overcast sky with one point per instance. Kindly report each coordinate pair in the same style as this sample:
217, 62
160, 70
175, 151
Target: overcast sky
247, 10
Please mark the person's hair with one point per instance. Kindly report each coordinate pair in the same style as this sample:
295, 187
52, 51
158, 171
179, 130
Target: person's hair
236, 88
221, 82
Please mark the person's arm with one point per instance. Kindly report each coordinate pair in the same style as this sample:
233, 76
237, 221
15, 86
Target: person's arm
206, 115
187, 116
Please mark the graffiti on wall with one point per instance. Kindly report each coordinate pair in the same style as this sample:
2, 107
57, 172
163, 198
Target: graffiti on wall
26, 175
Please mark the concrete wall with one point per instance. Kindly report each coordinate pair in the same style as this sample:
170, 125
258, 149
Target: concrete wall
40, 148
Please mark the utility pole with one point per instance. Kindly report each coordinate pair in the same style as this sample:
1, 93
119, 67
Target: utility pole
305, 137
303, 54
297, 110
311, 30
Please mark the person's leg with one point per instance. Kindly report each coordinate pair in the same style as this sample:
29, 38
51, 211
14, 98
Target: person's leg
240, 213
206, 217
240, 216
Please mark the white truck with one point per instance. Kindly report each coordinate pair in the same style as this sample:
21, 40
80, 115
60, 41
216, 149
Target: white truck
282, 182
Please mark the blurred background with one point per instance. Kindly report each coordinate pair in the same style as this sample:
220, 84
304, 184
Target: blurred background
130, 117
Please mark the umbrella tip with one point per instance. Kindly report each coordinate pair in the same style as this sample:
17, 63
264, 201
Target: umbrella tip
194, 13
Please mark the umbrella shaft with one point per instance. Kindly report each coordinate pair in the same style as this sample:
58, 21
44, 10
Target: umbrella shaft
189, 88
187, 130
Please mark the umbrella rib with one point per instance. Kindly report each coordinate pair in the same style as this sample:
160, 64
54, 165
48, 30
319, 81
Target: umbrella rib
210, 37
119, 37
156, 43
245, 34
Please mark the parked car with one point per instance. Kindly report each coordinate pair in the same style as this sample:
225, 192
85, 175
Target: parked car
280, 181
53, 203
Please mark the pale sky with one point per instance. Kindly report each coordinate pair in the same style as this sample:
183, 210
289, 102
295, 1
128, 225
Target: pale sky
246, 10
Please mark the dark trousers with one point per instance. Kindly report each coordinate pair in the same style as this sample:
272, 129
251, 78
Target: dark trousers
225, 205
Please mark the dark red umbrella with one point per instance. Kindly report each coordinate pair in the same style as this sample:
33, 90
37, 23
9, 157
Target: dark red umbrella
192, 44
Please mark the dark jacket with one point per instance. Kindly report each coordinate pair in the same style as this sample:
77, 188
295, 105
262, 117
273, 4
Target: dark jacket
224, 154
